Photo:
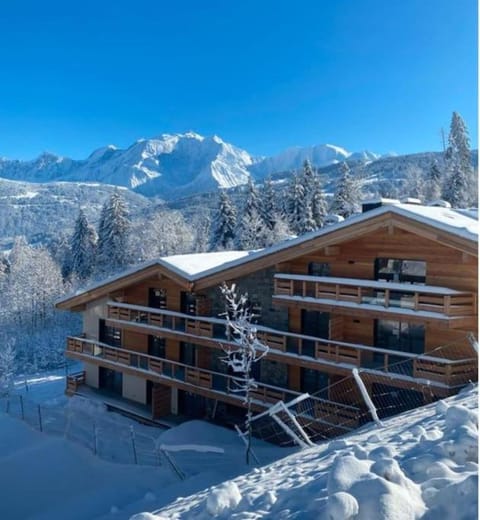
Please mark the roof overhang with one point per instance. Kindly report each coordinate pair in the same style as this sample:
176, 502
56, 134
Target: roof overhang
388, 217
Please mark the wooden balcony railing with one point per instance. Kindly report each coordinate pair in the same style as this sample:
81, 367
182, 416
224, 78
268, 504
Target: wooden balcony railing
323, 350
74, 381
394, 297
216, 382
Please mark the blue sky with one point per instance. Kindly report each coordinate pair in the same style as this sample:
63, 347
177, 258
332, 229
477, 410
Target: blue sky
382, 75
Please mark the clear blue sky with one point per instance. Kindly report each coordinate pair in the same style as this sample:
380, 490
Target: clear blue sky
383, 75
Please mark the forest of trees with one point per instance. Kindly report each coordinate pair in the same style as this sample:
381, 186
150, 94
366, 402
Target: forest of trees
32, 332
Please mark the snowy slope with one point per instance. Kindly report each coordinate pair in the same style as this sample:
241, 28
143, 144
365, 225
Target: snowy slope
42, 211
420, 465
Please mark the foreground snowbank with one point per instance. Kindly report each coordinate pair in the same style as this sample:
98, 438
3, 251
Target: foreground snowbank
421, 465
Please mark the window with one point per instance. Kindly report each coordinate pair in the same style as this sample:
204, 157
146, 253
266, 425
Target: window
188, 354
110, 335
318, 269
110, 380
188, 303
157, 298
398, 335
314, 324
156, 346
312, 381
402, 271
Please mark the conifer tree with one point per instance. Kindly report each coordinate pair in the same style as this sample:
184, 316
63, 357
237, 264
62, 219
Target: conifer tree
113, 229
460, 185
223, 235
295, 204
308, 175
82, 248
318, 203
250, 233
347, 194
269, 204
434, 182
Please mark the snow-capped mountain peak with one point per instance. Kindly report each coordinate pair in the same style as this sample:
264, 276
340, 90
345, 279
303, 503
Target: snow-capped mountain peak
173, 165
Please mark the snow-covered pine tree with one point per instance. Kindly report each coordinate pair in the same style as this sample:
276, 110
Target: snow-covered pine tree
269, 204
318, 203
223, 234
4, 269
7, 364
433, 186
295, 204
347, 195
460, 185
415, 185
82, 248
163, 233
113, 231
248, 350
308, 176
250, 233
275, 227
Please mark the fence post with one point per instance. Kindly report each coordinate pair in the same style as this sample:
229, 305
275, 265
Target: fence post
134, 449
21, 407
40, 418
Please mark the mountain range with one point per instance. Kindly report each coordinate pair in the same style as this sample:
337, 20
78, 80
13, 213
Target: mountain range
173, 165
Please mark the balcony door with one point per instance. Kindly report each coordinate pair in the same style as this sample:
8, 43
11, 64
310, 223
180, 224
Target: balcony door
188, 303
156, 346
314, 323
313, 381
109, 335
110, 380
157, 298
400, 336
188, 354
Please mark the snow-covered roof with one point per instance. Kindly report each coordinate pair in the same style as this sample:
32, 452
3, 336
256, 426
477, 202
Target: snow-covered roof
194, 264
192, 267
459, 222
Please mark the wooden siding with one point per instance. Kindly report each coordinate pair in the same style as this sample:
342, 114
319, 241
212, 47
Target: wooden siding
446, 266
161, 400
135, 341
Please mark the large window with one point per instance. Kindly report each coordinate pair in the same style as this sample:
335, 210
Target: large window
188, 303
318, 269
156, 346
188, 354
398, 335
315, 324
157, 298
314, 382
110, 380
110, 335
399, 270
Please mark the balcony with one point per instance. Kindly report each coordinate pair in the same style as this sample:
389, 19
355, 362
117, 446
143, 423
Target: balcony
215, 385
372, 298
450, 368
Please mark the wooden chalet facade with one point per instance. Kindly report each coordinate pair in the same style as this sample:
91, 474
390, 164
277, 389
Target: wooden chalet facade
380, 288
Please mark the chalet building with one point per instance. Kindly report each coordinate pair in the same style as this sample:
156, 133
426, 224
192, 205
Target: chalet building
397, 283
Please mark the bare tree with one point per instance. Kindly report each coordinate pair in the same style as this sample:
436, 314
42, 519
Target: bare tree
248, 350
